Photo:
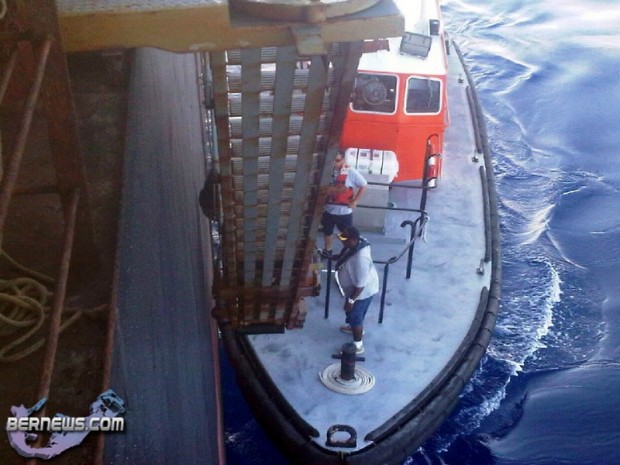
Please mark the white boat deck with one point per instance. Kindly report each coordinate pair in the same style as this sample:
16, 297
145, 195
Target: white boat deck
426, 317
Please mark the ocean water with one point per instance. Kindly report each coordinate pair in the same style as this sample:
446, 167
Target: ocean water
547, 393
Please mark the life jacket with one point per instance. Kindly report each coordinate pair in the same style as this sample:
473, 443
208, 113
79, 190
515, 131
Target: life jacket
344, 194
349, 252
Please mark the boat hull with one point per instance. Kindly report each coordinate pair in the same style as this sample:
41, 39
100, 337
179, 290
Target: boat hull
395, 439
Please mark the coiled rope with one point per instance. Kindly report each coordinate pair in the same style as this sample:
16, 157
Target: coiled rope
24, 307
362, 382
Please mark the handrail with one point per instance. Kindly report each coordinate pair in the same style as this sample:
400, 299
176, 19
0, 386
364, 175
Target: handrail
406, 186
421, 220
425, 180
401, 209
329, 286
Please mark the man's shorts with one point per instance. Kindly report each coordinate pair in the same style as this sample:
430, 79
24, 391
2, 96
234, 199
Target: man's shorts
357, 314
328, 221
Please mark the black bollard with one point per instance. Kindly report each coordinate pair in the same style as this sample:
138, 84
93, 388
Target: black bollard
347, 361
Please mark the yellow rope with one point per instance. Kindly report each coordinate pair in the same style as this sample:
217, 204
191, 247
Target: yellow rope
24, 306
35, 274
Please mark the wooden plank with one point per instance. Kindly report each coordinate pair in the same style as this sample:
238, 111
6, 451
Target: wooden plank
349, 70
268, 79
265, 125
291, 146
280, 232
263, 195
268, 55
250, 85
264, 180
266, 104
284, 209
271, 293
264, 164
284, 84
312, 112
198, 25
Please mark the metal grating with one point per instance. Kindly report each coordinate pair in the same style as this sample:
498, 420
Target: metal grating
271, 173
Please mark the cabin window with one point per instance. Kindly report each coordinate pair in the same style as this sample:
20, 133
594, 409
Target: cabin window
423, 95
374, 93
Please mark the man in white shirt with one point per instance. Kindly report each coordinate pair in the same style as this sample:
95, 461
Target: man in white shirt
359, 280
349, 187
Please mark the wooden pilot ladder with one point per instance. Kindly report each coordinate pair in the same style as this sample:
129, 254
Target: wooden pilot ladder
278, 118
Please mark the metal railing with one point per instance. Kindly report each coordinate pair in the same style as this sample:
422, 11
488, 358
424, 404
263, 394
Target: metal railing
420, 222
417, 229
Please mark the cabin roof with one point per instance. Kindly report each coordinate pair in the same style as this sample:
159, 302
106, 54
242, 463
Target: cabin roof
395, 62
418, 16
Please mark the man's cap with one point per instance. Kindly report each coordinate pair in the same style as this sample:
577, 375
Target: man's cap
350, 232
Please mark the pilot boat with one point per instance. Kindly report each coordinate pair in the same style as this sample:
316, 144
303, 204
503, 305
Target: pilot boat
415, 131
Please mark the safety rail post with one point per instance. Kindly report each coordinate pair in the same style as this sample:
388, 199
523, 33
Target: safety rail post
420, 220
386, 270
425, 180
408, 248
329, 285
411, 236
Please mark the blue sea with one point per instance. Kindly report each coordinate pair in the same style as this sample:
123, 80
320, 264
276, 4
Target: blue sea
548, 391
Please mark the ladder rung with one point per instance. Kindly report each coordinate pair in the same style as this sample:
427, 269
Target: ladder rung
266, 104
265, 125
264, 146
268, 79
290, 164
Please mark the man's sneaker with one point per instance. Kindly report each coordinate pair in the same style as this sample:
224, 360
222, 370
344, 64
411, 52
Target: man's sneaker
347, 330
